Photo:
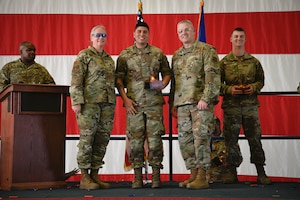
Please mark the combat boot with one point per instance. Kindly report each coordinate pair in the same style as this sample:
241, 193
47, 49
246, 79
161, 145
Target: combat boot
138, 182
95, 178
200, 181
156, 177
230, 176
261, 175
86, 183
264, 180
191, 179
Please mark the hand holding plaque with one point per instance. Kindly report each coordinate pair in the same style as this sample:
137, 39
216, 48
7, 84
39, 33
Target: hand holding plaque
154, 84
243, 88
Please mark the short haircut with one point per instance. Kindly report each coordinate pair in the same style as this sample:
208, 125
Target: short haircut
186, 21
144, 24
98, 26
239, 29
24, 44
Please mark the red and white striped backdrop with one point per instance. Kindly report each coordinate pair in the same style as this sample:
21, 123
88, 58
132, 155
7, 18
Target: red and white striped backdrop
60, 29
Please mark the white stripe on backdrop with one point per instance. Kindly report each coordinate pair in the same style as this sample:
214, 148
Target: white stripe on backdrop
278, 164
149, 6
275, 65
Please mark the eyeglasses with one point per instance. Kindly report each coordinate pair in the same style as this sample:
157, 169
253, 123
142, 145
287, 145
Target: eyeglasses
184, 30
97, 35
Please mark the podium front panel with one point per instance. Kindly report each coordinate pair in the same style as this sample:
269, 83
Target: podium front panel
40, 102
33, 137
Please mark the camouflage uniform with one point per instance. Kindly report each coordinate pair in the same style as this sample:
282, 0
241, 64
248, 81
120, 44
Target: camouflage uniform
92, 86
241, 110
134, 67
218, 163
17, 72
217, 160
196, 77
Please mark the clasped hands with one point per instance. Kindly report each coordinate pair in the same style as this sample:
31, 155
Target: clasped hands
242, 89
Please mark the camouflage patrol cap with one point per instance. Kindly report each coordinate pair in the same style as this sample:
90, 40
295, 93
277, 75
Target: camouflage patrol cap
144, 24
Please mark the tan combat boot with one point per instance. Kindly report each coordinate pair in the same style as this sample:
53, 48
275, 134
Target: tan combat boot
138, 182
264, 180
262, 177
200, 182
156, 177
86, 183
191, 179
95, 178
230, 176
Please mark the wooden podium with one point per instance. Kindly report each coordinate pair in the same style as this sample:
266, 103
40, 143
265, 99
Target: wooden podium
33, 128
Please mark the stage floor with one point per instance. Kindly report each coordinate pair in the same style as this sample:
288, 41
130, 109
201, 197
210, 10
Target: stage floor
170, 190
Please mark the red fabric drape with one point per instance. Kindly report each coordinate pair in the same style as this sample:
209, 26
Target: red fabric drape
66, 34
119, 122
278, 114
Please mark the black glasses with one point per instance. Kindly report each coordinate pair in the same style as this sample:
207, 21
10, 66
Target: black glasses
97, 35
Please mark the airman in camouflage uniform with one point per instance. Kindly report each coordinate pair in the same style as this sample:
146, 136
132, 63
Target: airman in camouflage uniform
93, 100
24, 70
138, 70
194, 92
242, 78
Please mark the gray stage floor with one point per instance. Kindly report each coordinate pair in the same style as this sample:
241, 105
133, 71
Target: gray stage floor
169, 189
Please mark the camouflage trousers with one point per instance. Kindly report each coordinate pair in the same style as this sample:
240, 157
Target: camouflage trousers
95, 123
146, 125
248, 118
195, 129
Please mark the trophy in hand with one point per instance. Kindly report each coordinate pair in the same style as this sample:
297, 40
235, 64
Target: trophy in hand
154, 84
243, 86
